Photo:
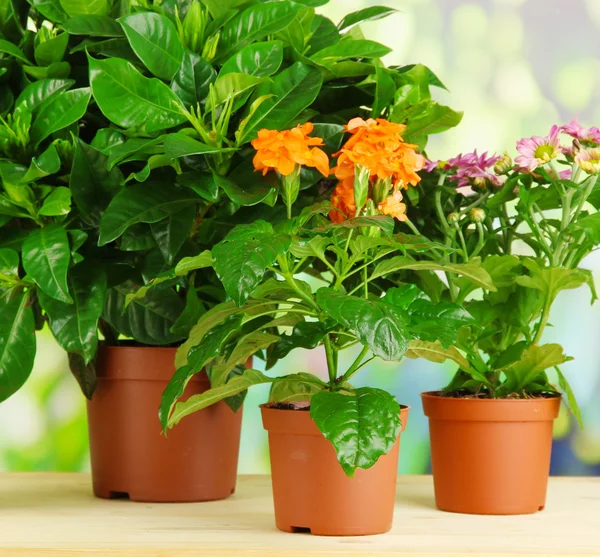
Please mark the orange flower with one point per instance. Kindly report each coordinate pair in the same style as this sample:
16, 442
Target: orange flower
343, 201
392, 206
284, 150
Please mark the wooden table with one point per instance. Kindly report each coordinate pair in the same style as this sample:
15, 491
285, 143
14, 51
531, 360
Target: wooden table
56, 515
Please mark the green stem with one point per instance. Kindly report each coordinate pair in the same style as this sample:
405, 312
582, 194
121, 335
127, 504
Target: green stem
543, 320
410, 225
356, 365
463, 244
480, 239
331, 355
480, 201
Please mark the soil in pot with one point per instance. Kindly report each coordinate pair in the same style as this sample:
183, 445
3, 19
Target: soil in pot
490, 456
311, 492
131, 457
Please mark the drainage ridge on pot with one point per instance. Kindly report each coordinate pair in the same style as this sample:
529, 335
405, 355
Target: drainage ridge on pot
131, 457
312, 493
490, 456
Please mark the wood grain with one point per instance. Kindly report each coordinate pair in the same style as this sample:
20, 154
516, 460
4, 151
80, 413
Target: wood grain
54, 515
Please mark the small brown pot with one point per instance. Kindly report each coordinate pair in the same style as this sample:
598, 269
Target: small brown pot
129, 454
490, 456
312, 493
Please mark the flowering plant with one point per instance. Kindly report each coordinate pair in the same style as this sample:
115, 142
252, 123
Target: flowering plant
530, 224
273, 308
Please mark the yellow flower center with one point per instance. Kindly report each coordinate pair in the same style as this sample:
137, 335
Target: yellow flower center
544, 152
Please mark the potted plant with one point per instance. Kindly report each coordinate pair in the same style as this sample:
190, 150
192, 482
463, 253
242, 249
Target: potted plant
314, 424
530, 224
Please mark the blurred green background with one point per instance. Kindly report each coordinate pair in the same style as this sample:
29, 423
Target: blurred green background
515, 67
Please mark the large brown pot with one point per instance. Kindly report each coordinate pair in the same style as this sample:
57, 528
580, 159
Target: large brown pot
131, 457
490, 456
312, 493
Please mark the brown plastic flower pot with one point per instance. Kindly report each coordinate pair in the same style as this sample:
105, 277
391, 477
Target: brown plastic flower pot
131, 457
312, 493
490, 456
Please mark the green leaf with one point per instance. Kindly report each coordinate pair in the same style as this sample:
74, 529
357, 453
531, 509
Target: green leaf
232, 86
79, 7
9, 265
383, 222
202, 183
385, 89
155, 40
189, 316
131, 100
240, 260
247, 346
351, 49
134, 149
38, 93
378, 325
7, 47
180, 145
93, 26
57, 203
239, 195
50, 9
61, 111
17, 344
362, 425
193, 78
148, 202
324, 33
148, 320
472, 271
534, 360
44, 165
189, 264
85, 374
435, 352
371, 13
91, 183
435, 119
573, 405
331, 134
171, 233
298, 387
75, 326
46, 256
258, 59
51, 51
306, 334
591, 226
254, 23
57, 70
292, 90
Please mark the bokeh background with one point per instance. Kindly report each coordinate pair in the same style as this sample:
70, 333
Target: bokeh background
515, 67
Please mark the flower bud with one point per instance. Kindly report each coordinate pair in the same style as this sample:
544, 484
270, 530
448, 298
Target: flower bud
479, 182
361, 186
194, 26
477, 215
210, 47
453, 218
504, 165
381, 190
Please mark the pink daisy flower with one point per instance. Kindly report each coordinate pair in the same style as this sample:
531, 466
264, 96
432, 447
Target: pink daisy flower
537, 151
577, 131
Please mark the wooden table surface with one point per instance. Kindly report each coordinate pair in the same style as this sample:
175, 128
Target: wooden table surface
56, 515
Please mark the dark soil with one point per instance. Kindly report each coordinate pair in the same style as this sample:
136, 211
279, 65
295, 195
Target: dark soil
288, 406
486, 395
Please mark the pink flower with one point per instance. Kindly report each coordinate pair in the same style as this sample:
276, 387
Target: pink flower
589, 160
577, 131
537, 151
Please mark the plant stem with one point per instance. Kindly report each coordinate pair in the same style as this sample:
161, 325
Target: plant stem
331, 360
543, 320
356, 365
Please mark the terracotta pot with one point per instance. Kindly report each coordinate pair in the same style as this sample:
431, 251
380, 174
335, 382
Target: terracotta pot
312, 493
129, 454
490, 456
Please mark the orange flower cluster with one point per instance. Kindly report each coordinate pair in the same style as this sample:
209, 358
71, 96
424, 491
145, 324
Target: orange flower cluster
283, 150
376, 145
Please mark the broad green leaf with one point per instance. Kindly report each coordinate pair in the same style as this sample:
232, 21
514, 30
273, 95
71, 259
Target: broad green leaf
44, 165
371, 13
239, 195
180, 145
247, 346
50, 9
58, 70
17, 344
171, 233
534, 360
362, 425
107, 138
385, 89
46, 256
85, 374
202, 183
75, 326
198, 357
258, 59
130, 100
57, 203
306, 334
134, 149
324, 34
61, 111
80, 7
436, 118
591, 227
154, 39
51, 51
385, 223
240, 260
9, 265
292, 90
298, 387
378, 325
435, 352
197, 402
148, 320
254, 23
9, 48
331, 134
189, 264
93, 25
473, 272
232, 86
573, 405
36, 94
351, 49
192, 80
403, 296
220, 8
191, 313
91, 183
149, 202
